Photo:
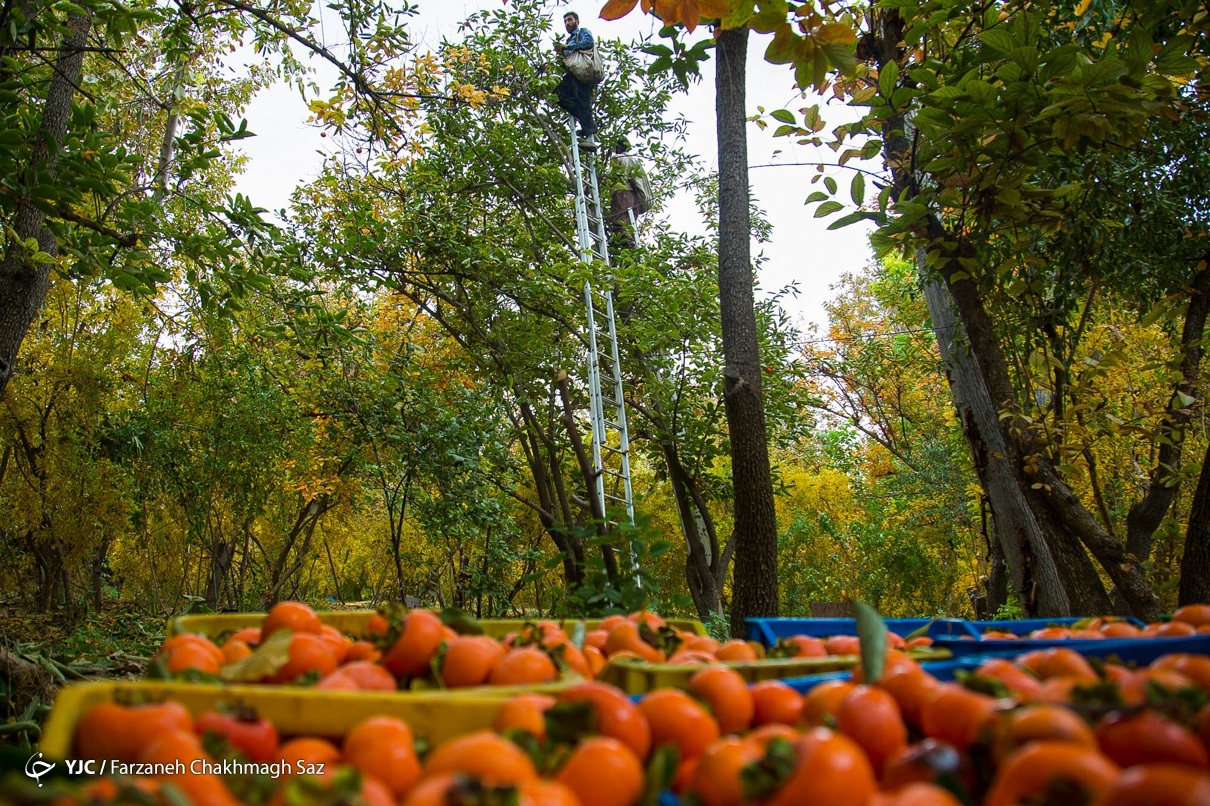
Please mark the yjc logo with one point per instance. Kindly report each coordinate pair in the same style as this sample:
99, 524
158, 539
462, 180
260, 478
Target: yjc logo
35, 768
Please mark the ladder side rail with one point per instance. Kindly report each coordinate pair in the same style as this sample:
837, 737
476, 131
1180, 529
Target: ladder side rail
595, 405
602, 240
623, 426
583, 231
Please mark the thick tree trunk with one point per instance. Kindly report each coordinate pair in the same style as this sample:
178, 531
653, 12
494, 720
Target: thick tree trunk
1050, 527
1146, 515
1031, 568
1195, 562
755, 587
24, 282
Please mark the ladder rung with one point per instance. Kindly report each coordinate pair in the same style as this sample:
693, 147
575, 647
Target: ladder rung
612, 449
613, 497
616, 474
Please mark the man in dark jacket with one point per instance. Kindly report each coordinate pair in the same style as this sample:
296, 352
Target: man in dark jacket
574, 95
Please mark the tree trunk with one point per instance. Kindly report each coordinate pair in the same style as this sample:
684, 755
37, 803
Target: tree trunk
1031, 568
702, 554
546, 476
222, 554
1195, 562
997, 581
97, 574
1049, 528
755, 586
24, 282
1147, 514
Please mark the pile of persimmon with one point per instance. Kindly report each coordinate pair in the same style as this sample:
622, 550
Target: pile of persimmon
415, 647
809, 646
1189, 620
589, 744
376, 763
1046, 728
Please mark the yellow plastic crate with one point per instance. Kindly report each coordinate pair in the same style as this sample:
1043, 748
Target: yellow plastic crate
295, 711
353, 622
639, 677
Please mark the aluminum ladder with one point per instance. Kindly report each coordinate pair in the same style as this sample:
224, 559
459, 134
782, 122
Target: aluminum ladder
607, 407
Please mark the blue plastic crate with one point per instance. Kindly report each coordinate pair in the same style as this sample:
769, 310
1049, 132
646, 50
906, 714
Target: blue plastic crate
963, 628
962, 637
1141, 651
768, 630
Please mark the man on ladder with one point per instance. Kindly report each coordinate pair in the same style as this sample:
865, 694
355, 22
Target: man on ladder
630, 196
582, 72
607, 407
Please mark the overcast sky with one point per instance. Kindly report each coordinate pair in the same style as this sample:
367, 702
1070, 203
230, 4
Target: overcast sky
801, 251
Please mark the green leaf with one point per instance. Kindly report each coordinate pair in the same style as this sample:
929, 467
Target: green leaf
871, 630
842, 57
851, 218
68, 7
740, 14
784, 115
830, 183
888, 77
577, 634
857, 189
998, 39
661, 770
827, 208
772, 15
920, 632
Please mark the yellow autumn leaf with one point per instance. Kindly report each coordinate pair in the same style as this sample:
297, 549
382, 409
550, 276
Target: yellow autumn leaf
836, 33
714, 9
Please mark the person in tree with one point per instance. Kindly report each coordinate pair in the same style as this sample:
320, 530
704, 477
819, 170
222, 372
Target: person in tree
630, 194
575, 96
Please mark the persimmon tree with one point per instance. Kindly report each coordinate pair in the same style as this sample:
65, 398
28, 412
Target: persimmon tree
476, 230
